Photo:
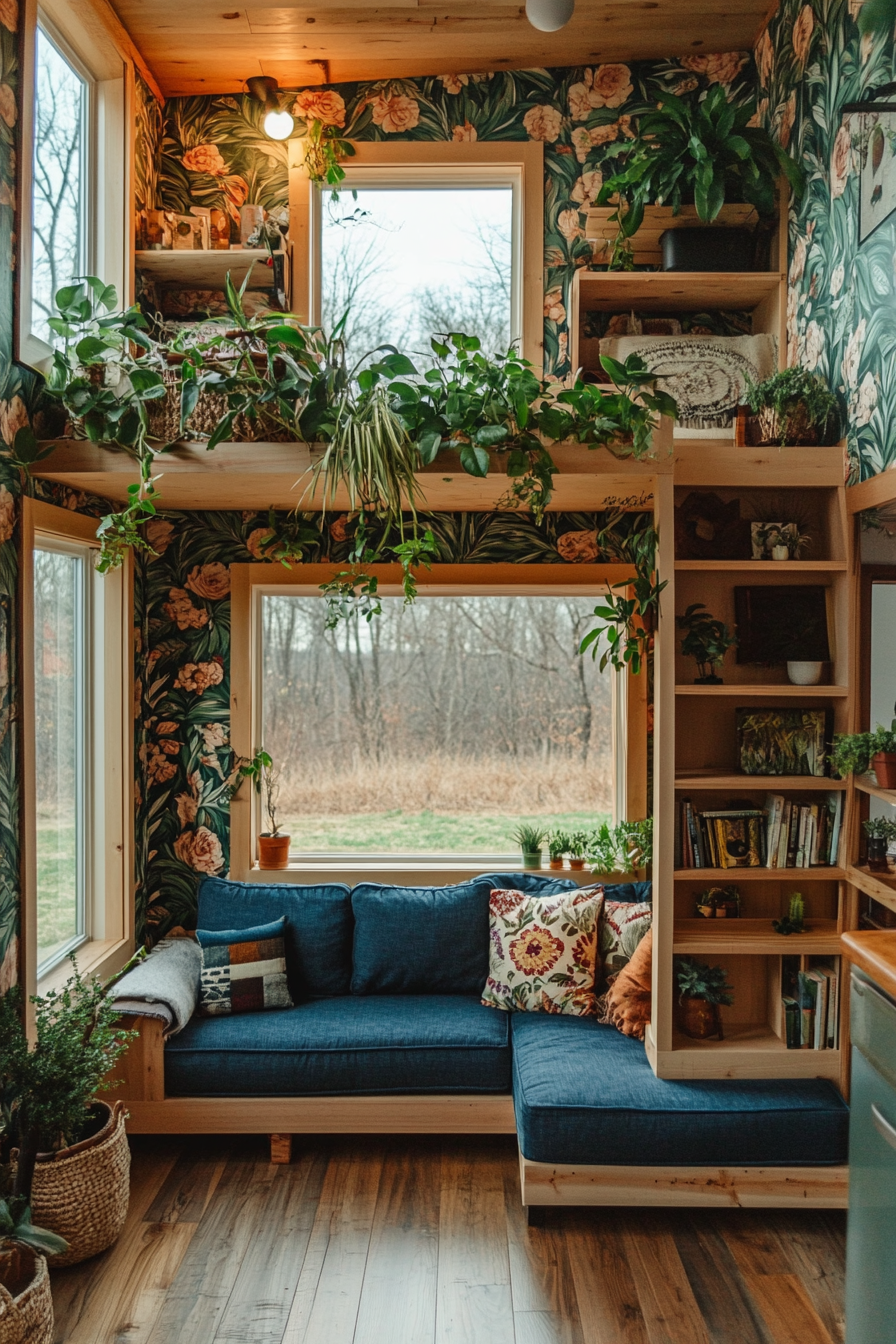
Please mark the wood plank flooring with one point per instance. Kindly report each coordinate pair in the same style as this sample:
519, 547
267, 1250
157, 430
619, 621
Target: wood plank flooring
422, 1240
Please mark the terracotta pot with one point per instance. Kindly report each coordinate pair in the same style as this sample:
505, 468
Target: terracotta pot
273, 851
26, 1304
556, 863
699, 1019
884, 767
577, 865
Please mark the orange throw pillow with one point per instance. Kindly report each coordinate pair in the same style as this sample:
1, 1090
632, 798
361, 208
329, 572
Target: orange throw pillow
627, 1001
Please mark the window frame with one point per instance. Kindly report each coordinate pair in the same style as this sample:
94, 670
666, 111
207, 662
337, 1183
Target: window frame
431, 163
109, 158
109, 913
251, 582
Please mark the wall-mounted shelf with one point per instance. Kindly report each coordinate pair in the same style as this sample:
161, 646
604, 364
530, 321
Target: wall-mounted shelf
207, 269
712, 464
675, 291
867, 784
746, 690
601, 231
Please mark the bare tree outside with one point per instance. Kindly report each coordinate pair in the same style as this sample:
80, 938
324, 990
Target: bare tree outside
59, 161
437, 727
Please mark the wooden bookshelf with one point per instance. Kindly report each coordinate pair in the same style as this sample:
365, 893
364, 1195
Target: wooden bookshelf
756, 937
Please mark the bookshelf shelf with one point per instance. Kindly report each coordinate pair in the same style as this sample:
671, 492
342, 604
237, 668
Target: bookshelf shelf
817, 874
761, 566
878, 886
867, 784
754, 937
751, 1050
747, 690
769, 783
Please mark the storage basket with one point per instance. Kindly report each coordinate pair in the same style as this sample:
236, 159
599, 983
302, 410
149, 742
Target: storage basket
81, 1193
28, 1317
795, 427
164, 418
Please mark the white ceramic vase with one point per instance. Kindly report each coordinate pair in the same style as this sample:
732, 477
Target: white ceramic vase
804, 674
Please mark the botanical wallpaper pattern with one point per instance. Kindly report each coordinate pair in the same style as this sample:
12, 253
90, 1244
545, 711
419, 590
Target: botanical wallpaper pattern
214, 152
182, 692
841, 310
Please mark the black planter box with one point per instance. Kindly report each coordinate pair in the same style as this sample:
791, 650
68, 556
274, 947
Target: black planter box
708, 248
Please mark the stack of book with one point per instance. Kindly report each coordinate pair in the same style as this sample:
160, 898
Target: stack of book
781, 834
812, 1006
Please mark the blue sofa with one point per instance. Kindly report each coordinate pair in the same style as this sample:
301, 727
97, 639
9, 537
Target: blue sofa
387, 982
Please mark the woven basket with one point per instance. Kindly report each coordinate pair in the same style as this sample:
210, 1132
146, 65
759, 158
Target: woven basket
164, 418
794, 428
28, 1318
81, 1193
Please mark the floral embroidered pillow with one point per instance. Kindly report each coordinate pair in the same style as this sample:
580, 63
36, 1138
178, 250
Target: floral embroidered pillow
622, 926
543, 951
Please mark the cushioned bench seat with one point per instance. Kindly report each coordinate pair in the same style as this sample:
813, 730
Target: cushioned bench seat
352, 1044
584, 1094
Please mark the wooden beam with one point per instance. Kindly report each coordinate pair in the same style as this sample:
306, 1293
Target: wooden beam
875, 493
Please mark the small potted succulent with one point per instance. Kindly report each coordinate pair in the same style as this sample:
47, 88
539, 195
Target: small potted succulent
706, 640
879, 832
794, 407
558, 843
795, 919
577, 848
530, 840
702, 990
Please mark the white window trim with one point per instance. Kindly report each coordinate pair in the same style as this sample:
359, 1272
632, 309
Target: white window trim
435, 162
250, 583
110, 883
109, 157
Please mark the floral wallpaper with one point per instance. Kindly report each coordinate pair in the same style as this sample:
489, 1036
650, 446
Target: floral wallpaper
841, 309
182, 692
214, 153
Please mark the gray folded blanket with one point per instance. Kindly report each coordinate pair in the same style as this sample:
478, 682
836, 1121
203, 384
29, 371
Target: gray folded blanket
165, 985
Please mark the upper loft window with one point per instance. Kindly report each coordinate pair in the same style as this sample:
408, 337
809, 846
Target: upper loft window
437, 728
419, 253
60, 170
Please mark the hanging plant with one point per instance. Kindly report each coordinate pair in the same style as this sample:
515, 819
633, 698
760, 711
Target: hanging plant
627, 623
324, 151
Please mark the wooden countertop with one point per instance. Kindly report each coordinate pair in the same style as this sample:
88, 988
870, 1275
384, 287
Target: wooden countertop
874, 952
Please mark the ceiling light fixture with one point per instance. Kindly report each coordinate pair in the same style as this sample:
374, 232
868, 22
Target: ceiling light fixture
549, 15
277, 123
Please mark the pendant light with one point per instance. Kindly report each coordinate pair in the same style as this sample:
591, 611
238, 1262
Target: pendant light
277, 123
549, 15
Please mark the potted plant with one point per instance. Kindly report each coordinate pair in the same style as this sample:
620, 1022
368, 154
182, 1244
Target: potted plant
625, 848
706, 640
576, 848
530, 840
558, 843
855, 753
702, 990
719, 903
795, 919
26, 1303
778, 541
700, 153
273, 845
72, 1161
794, 406
879, 832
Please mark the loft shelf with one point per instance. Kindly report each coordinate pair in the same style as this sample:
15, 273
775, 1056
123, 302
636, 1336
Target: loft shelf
675, 291
747, 690
867, 784
754, 937
763, 566
601, 231
715, 463
816, 874
206, 268
770, 783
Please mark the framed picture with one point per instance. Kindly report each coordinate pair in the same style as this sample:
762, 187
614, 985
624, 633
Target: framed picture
783, 741
877, 172
778, 623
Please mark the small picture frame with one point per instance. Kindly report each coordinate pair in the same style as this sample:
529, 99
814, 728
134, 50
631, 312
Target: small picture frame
877, 171
769, 540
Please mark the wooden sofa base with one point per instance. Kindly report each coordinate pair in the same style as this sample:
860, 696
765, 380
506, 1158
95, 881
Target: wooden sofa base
546, 1184
323, 1115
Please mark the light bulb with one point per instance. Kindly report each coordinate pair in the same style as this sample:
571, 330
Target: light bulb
278, 125
549, 15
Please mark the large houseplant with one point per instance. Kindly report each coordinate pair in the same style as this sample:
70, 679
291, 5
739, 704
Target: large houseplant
703, 153
72, 1160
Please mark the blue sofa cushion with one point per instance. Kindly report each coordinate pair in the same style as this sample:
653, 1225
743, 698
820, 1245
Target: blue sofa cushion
633, 892
426, 1043
318, 927
420, 940
531, 882
583, 1093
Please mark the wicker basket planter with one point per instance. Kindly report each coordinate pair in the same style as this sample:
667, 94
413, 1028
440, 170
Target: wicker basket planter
81, 1193
164, 418
794, 428
26, 1313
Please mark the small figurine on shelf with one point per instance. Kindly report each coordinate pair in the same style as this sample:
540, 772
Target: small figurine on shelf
719, 903
706, 640
795, 919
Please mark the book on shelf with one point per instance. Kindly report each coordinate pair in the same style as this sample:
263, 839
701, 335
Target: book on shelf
783, 833
810, 1004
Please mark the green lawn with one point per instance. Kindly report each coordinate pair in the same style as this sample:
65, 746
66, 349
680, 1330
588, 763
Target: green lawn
56, 869
401, 832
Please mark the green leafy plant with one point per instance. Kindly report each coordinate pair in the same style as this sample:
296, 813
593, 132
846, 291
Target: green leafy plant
577, 844
701, 152
17, 1229
529, 838
626, 847
880, 828
795, 919
696, 980
769, 535
287, 541
120, 532
853, 753
324, 152
558, 844
802, 402
265, 778
706, 640
627, 622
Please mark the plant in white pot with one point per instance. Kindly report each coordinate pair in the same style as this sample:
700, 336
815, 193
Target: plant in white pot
68, 1150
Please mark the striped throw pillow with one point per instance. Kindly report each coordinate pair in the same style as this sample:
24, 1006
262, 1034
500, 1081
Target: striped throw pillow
243, 970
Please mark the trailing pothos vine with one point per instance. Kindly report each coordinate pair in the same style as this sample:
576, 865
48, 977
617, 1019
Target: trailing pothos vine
626, 623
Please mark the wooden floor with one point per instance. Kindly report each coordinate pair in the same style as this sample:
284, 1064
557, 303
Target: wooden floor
423, 1241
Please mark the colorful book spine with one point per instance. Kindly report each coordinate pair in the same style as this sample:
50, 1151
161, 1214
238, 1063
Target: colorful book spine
808, 992
791, 1023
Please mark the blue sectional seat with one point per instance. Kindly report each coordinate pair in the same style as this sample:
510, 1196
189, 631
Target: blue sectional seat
350, 1045
585, 1094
